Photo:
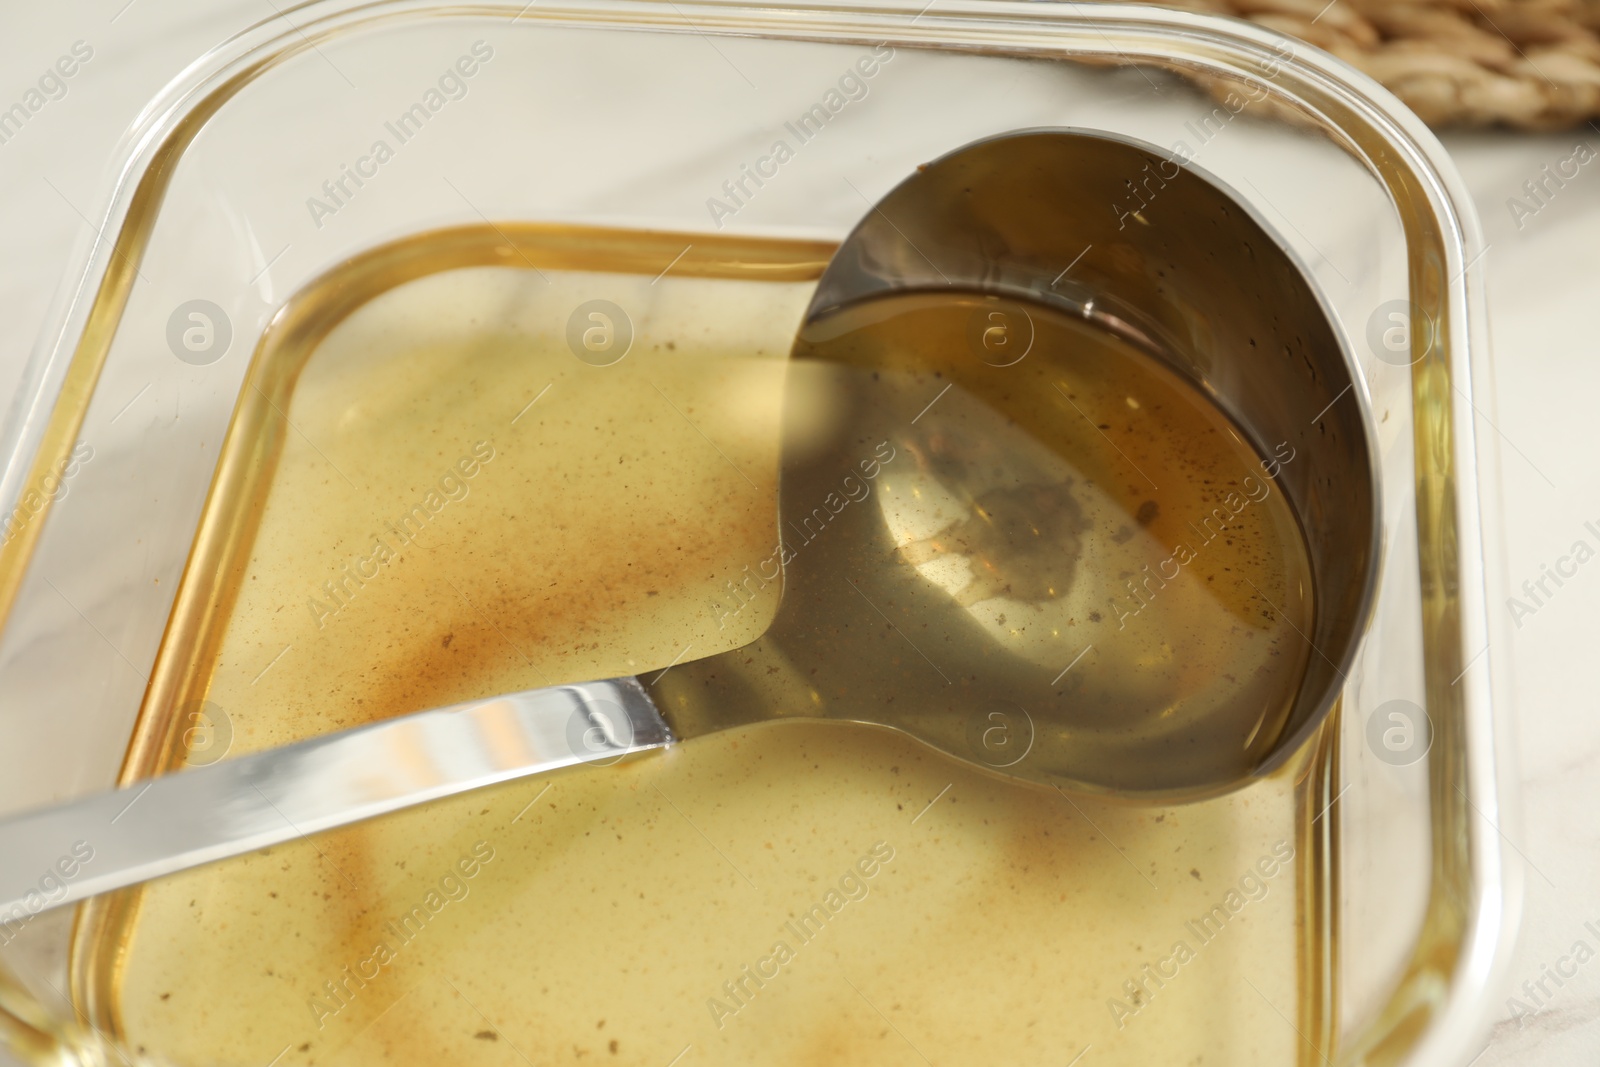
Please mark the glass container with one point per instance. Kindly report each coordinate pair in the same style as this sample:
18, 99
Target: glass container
318, 217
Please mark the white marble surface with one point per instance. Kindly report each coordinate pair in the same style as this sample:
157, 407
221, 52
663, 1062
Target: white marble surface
1542, 273
1541, 283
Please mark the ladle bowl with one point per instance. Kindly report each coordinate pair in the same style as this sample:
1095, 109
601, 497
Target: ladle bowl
1111, 239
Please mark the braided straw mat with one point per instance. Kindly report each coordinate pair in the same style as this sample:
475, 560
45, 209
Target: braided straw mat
1527, 63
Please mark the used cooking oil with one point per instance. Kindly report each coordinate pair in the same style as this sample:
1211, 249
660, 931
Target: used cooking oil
495, 458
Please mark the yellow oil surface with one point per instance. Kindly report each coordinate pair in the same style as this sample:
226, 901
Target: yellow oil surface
460, 505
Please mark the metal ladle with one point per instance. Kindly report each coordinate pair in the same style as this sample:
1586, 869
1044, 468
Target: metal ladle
1091, 230
1110, 251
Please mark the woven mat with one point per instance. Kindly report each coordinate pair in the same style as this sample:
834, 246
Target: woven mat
1528, 63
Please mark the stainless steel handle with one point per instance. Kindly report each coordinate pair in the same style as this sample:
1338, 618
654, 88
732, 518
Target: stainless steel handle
61, 855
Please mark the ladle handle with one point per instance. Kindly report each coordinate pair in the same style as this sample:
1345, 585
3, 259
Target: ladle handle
105, 841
